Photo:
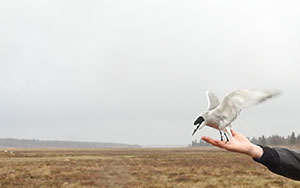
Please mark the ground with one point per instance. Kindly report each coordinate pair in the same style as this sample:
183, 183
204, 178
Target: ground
135, 168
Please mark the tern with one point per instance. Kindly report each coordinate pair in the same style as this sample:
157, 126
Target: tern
221, 115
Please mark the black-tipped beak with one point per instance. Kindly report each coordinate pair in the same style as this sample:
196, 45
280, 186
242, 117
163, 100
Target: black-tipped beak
195, 130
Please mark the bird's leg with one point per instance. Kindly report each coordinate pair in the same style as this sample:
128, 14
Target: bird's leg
226, 137
228, 131
221, 136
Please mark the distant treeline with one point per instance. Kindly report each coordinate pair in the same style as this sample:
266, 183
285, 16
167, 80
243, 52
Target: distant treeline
262, 140
28, 143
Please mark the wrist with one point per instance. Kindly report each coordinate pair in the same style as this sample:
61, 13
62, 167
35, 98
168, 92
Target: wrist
255, 151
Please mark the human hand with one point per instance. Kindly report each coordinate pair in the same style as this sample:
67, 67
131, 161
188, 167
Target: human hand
239, 143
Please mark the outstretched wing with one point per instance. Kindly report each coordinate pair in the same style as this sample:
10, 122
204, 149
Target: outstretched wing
240, 99
212, 99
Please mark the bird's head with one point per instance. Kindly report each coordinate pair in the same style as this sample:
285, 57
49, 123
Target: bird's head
198, 124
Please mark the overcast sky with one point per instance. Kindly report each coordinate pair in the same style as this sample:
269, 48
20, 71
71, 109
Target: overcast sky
136, 71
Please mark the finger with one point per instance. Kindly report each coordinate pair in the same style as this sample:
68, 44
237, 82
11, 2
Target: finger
233, 132
225, 145
210, 140
221, 144
207, 139
218, 143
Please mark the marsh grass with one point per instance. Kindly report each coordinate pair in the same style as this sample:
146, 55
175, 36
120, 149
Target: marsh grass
135, 168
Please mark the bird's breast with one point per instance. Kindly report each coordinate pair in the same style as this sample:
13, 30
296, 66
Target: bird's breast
213, 125
214, 118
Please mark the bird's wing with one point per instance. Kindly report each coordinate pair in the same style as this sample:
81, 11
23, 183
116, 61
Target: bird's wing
212, 99
240, 99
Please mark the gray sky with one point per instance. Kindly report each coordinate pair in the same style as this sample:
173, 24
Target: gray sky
137, 71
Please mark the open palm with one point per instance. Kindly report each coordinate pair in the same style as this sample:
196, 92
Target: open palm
239, 143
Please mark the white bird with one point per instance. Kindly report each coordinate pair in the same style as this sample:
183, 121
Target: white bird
221, 115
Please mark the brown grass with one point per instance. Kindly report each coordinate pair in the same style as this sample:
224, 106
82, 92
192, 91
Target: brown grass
135, 168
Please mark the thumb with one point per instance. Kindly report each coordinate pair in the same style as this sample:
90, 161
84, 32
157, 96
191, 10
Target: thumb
233, 132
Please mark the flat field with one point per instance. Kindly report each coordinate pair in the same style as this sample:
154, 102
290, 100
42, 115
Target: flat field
135, 168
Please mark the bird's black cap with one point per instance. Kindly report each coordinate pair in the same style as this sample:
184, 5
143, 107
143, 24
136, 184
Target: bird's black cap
199, 120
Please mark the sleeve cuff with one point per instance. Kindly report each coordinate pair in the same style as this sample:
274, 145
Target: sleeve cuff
270, 158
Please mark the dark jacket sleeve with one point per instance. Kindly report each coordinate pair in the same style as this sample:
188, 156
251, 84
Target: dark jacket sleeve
282, 161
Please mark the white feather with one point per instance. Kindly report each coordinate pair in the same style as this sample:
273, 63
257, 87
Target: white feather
212, 99
240, 99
